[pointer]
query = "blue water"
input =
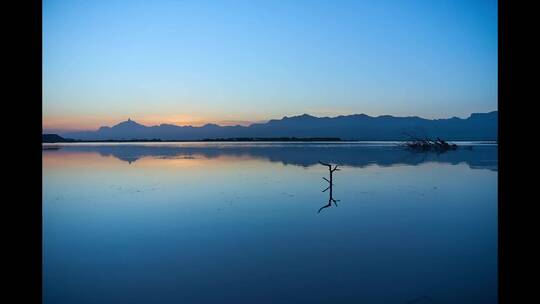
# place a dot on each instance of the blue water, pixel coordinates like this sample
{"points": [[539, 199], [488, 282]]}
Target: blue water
{"points": [[239, 223]]}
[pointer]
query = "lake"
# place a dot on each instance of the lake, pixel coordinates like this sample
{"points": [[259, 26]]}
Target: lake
{"points": [[242, 223]]}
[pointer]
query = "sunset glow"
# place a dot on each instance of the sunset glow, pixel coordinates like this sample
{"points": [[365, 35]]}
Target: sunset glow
{"points": [[79, 123]]}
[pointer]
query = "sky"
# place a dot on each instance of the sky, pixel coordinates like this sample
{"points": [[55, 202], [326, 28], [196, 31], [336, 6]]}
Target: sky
{"points": [[236, 62]]}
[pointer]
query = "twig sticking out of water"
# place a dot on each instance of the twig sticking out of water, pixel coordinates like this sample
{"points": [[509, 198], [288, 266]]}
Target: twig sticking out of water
{"points": [[330, 184]]}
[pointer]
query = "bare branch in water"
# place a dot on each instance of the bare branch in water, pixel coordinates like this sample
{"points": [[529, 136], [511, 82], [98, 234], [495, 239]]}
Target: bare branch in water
{"points": [[325, 206], [330, 186], [324, 164]]}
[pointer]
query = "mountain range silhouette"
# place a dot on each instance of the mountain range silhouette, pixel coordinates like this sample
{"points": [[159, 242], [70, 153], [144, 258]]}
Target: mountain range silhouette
{"points": [[478, 126]]}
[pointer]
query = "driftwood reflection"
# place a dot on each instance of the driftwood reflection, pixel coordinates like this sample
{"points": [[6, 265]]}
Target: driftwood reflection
{"points": [[330, 184]]}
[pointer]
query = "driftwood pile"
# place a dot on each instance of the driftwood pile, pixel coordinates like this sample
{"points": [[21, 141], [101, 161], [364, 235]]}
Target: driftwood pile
{"points": [[426, 144]]}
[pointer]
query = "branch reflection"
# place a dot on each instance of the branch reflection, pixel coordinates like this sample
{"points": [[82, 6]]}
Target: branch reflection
{"points": [[330, 186]]}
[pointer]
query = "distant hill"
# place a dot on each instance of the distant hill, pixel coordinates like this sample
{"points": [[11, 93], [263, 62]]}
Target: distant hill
{"points": [[478, 126], [53, 138]]}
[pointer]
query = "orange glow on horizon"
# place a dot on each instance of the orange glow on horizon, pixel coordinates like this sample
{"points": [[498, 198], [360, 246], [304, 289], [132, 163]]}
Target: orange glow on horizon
{"points": [[80, 123]]}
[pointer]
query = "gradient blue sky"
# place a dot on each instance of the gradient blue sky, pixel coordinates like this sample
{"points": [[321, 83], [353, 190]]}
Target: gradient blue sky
{"points": [[192, 62]]}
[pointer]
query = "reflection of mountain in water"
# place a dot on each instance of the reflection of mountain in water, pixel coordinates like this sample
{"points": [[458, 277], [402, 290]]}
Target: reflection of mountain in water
{"points": [[479, 157]]}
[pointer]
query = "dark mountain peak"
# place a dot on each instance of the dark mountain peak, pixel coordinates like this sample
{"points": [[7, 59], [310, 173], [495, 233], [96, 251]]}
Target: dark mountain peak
{"points": [[482, 115], [300, 117], [271, 121], [361, 115], [128, 123]]}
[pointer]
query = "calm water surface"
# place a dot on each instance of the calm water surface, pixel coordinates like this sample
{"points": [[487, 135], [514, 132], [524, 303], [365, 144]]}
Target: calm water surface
{"points": [[239, 223]]}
